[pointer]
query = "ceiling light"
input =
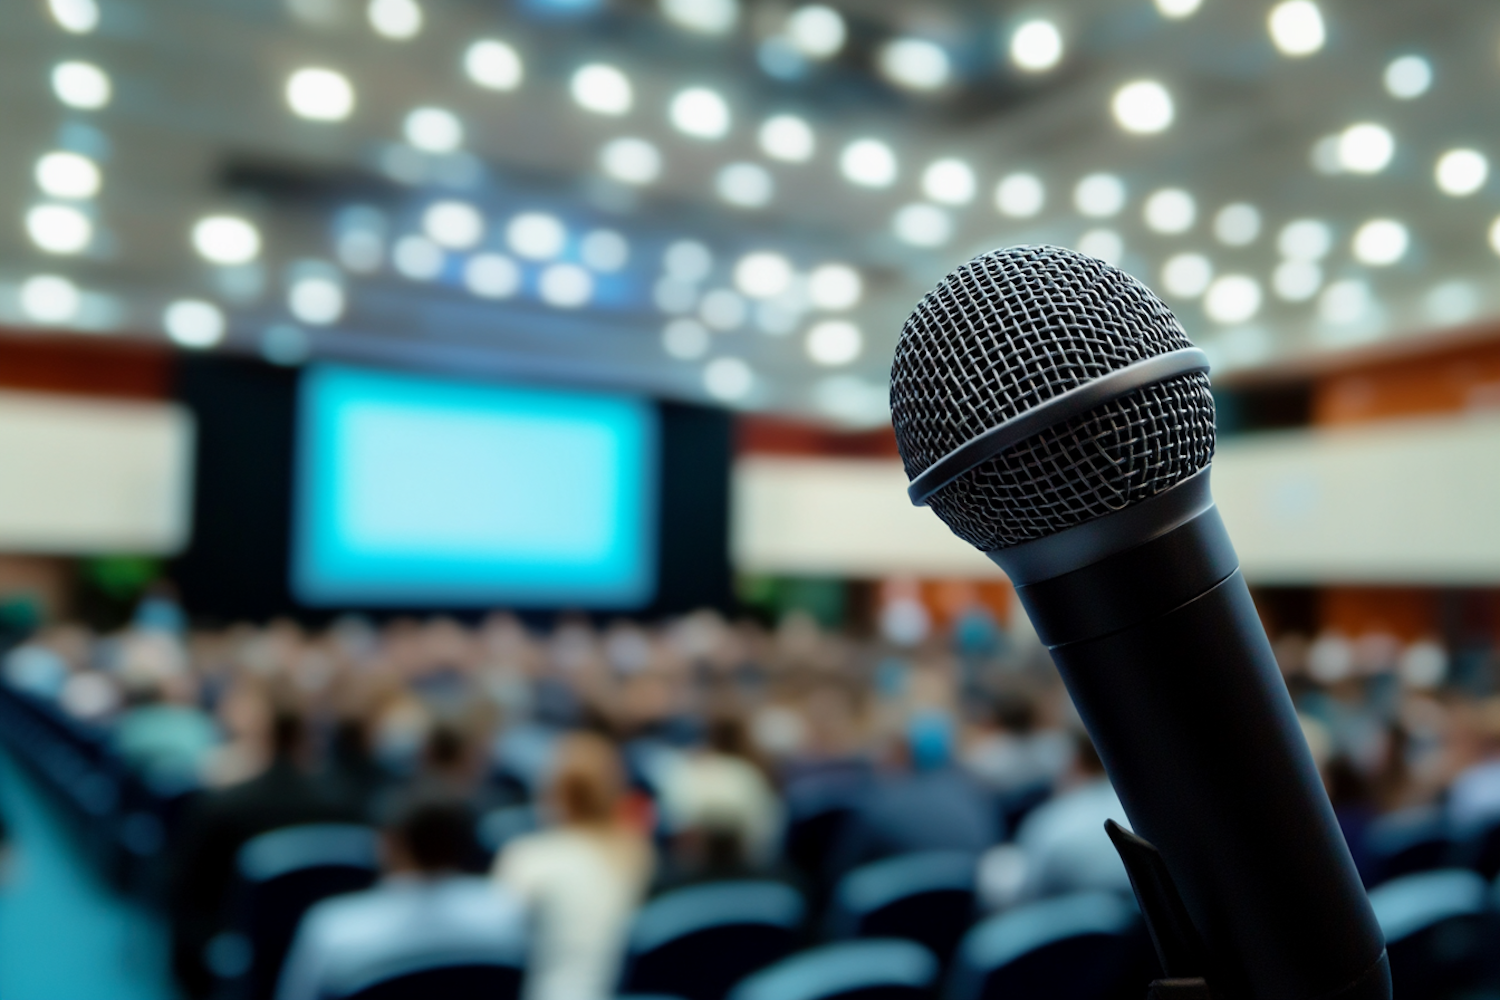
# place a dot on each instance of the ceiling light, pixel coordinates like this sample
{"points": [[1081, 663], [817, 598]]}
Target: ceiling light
{"points": [[853, 401], [710, 17], [723, 309], [700, 113], [359, 241], [1344, 302], [76, 16], [1461, 172], [81, 85], [1380, 242], [395, 19], [1170, 210], [688, 260], [1495, 235], [868, 163], [493, 64], [728, 379], [226, 239], [922, 225], [1020, 195], [317, 300], [950, 181], [536, 235], [1099, 195], [492, 276], [816, 31], [602, 89], [1365, 148], [318, 94], [762, 275], [915, 63], [67, 175], [1297, 27], [284, 344], [59, 229], [1143, 107], [776, 318], [47, 298], [788, 138], [194, 323], [1102, 244], [834, 287], [418, 258], [1305, 239], [1451, 302], [1297, 280], [1036, 46], [1237, 225], [685, 339], [1408, 77], [631, 160], [673, 296], [1186, 275], [566, 286], [1234, 298], [454, 224], [434, 130], [604, 250], [1178, 9], [834, 342], [745, 185]]}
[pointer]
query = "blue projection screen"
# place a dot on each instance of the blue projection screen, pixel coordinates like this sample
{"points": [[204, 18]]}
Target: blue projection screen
{"points": [[413, 491]]}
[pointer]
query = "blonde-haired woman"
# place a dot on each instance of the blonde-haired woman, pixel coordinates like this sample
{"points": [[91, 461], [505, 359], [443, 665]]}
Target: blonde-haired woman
{"points": [[582, 878]]}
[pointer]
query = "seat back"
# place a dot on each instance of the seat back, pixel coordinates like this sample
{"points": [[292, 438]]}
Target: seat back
{"points": [[699, 941], [1073, 947], [1412, 840], [453, 977], [1439, 930], [281, 874], [875, 969], [926, 897]]}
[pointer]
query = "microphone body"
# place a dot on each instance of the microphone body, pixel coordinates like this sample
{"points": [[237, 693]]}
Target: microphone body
{"points": [[1153, 629], [1051, 410]]}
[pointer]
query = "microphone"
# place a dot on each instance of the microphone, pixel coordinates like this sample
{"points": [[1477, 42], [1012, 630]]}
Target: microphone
{"points": [[1051, 410]]}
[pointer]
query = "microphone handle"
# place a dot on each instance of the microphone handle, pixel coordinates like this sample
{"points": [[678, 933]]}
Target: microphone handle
{"points": [[1165, 658]]}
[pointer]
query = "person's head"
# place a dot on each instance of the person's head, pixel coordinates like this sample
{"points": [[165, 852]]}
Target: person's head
{"points": [[930, 739], [446, 751], [587, 781], [430, 837], [1014, 712]]}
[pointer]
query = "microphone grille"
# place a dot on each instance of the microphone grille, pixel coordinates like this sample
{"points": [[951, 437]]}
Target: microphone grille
{"points": [[1011, 329]]}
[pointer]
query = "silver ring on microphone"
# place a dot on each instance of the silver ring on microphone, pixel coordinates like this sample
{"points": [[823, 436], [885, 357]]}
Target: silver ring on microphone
{"points": [[1080, 399]]}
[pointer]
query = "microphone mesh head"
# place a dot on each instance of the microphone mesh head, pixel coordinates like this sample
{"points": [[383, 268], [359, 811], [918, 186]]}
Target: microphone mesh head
{"points": [[1011, 329]]}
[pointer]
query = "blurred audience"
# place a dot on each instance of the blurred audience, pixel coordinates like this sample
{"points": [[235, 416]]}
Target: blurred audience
{"points": [[582, 877], [221, 822], [587, 767], [424, 908]]}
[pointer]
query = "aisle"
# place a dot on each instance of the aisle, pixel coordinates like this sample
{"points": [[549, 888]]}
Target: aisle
{"points": [[63, 934]]}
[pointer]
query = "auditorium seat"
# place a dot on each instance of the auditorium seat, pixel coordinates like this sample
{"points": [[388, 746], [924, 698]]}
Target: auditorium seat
{"points": [[1412, 840], [1074, 947], [697, 942], [1440, 930], [876, 969], [1480, 848], [280, 875], [453, 977], [926, 897]]}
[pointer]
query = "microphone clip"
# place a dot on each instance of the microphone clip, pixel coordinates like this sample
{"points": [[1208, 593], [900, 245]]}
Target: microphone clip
{"points": [[1178, 946]]}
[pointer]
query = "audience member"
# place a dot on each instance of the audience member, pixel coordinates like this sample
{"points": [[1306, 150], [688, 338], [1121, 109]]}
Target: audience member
{"points": [[582, 878], [221, 822], [1011, 752], [1061, 846], [1474, 796], [925, 803], [161, 735], [423, 907]]}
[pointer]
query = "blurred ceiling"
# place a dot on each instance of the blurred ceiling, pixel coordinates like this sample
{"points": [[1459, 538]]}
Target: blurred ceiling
{"points": [[478, 191]]}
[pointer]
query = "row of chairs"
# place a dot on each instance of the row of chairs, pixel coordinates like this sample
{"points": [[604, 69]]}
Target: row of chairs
{"points": [[1423, 839]]}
